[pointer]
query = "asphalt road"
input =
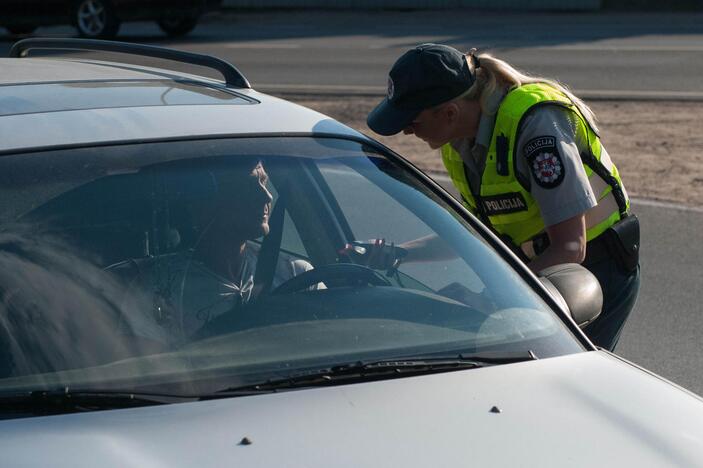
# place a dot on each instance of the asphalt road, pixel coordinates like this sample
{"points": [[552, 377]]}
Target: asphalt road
{"points": [[654, 56], [607, 55], [595, 54], [665, 331]]}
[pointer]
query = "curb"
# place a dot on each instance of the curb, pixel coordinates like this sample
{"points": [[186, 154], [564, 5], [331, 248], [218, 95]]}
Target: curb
{"points": [[340, 91]]}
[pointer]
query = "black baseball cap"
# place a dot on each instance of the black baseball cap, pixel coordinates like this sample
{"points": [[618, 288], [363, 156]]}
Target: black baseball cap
{"points": [[423, 77]]}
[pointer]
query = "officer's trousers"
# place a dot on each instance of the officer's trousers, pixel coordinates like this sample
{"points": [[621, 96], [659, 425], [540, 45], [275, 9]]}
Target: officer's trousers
{"points": [[619, 296]]}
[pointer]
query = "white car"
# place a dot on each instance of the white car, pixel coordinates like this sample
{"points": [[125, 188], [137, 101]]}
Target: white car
{"points": [[195, 274]]}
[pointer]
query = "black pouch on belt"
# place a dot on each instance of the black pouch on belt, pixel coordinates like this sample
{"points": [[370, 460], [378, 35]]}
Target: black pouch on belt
{"points": [[623, 241]]}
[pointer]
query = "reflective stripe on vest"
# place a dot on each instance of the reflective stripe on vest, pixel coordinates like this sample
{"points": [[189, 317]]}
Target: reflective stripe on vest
{"points": [[505, 202]]}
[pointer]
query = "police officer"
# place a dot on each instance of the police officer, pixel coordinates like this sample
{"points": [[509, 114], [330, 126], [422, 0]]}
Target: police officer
{"points": [[526, 157]]}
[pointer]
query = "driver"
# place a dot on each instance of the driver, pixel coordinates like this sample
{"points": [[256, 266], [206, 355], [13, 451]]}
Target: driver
{"points": [[188, 289]]}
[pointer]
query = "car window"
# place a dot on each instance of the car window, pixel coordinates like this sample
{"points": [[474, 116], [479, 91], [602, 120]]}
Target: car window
{"points": [[205, 264], [375, 215], [108, 218], [290, 237]]}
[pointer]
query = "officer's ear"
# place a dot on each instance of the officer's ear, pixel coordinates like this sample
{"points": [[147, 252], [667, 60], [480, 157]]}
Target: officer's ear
{"points": [[450, 112]]}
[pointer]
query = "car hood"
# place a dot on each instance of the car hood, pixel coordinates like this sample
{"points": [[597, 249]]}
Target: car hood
{"points": [[581, 410]]}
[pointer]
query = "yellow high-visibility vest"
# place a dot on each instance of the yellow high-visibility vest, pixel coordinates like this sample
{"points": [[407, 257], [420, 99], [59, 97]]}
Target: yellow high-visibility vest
{"points": [[505, 202]]}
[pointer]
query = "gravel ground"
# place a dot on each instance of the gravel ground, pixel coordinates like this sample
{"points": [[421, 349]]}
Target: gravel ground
{"points": [[657, 146]]}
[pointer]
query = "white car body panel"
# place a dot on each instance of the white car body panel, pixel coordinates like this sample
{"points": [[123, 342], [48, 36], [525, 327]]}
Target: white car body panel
{"points": [[100, 126], [588, 409], [41, 70], [118, 124]]}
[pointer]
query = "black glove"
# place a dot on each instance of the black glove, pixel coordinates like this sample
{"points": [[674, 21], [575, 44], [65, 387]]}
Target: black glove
{"points": [[376, 254]]}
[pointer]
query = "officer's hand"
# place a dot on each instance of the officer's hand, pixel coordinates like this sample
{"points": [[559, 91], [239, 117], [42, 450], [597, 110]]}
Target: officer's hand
{"points": [[375, 253]]}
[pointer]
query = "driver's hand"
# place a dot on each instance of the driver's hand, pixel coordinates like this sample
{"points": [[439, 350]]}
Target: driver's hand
{"points": [[375, 253]]}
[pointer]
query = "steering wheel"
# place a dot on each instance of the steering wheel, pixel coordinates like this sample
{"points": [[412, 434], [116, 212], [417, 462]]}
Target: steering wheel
{"points": [[334, 275]]}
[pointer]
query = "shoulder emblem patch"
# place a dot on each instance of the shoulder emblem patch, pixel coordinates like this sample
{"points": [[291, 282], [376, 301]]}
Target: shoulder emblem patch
{"points": [[544, 161]]}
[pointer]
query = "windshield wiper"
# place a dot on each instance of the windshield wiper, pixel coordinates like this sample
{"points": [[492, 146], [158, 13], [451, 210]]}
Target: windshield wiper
{"points": [[67, 400], [362, 371]]}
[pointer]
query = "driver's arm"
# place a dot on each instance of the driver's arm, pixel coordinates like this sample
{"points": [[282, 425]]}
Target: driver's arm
{"points": [[427, 249], [380, 254]]}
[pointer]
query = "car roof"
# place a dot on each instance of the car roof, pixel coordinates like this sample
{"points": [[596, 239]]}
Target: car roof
{"points": [[48, 102], [46, 70]]}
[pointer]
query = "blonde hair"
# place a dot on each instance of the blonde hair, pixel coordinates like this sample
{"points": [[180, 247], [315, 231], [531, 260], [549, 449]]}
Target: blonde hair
{"points": [[493, 74]]}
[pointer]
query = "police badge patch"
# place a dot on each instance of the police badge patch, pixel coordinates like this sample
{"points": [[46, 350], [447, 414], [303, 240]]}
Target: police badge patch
{"points": [[391, 89], [544, 161]]}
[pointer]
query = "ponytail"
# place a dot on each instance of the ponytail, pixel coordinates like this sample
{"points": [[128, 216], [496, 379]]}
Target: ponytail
{"points": [[492, 74]]}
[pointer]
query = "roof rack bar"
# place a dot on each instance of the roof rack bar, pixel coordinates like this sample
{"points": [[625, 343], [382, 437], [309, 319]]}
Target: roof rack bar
{"points": [[233, 77]]}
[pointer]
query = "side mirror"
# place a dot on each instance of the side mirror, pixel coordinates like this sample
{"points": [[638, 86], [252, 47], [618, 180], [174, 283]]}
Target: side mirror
{"points": [[575, 288]]}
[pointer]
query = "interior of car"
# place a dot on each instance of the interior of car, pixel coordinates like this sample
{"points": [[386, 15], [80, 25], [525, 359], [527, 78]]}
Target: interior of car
{"points": [[122, 253]]}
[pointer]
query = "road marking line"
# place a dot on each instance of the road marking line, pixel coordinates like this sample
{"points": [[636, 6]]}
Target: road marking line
{"points": [[261, 45], [667, 205], [597, 47], [585, 93], [322, 89], [637, 94], [620, 48]]}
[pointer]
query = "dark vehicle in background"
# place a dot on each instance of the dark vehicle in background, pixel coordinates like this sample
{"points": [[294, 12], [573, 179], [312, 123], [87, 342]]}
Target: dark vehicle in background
{"points": [[102, 18]]}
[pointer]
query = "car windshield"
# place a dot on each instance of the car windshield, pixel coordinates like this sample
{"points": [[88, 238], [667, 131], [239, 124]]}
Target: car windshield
{"points": [[194, 266]]}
